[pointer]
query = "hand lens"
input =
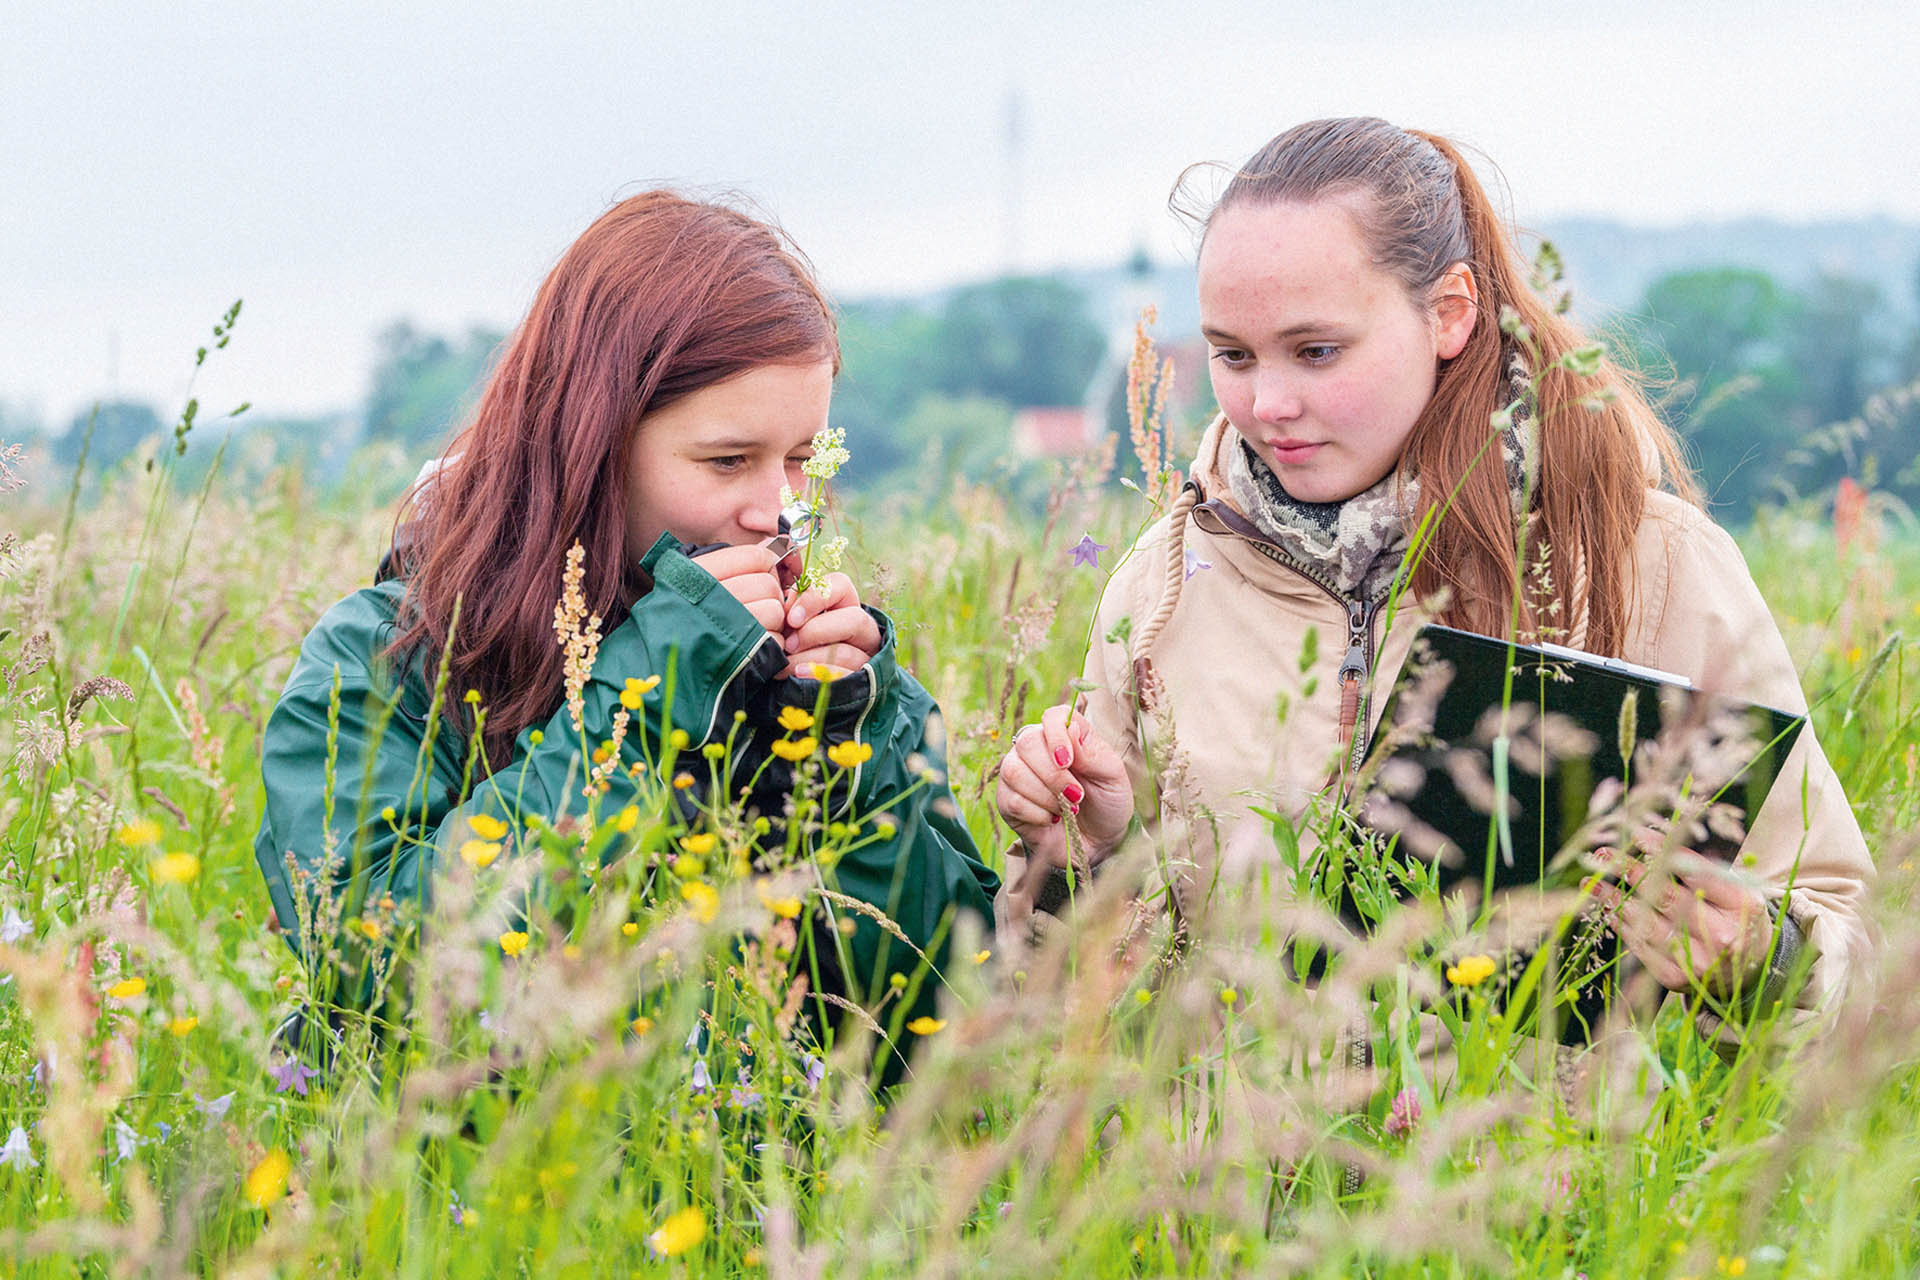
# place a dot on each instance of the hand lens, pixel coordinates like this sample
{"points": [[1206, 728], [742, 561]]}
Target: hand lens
{"points": [[798, 524]]}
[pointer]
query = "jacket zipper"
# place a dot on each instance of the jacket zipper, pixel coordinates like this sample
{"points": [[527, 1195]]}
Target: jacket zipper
{"points": [[1359, 658], [1353, 672]]}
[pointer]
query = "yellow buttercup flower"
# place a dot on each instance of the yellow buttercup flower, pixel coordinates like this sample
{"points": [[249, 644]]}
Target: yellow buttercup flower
{"points": [[793, 719], [370, 927], [641, 1025], [479, 853], [128, 988], [630, 929], [699, 845], [823, 673], [981, 957], [679, 1233], [849, 755], [513, 942], [925, 1026], [140, 831], [785, 907], [175, 868], [486, 826], [1471, 971], [702, 899], [797, 749], [267, 1181], [183, 1025], [636, 690], [627, 819]]}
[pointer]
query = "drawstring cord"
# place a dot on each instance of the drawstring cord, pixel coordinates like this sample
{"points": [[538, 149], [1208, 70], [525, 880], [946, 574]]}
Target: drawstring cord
{"points": [[1145, 684]]}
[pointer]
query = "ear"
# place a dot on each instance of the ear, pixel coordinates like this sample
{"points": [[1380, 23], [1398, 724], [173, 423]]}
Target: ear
{"points": [[1456, 305]]}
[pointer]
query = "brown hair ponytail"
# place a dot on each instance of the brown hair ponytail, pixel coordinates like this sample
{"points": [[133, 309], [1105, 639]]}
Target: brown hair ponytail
{"points": [[1422, 210]]}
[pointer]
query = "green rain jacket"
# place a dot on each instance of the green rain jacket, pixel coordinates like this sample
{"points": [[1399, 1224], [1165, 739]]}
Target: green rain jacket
{"points": [[721, 661]]}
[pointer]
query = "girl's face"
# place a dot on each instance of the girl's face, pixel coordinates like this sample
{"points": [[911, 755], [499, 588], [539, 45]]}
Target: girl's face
{"points": [[1320, 359], [709, 466]]}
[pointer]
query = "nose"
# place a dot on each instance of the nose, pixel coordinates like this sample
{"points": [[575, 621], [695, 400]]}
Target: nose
{"points": [[1275, 398], [760, 513]]}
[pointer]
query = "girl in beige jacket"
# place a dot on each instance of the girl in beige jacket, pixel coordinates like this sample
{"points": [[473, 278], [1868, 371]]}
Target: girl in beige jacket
{"points": [[1370, 323]]}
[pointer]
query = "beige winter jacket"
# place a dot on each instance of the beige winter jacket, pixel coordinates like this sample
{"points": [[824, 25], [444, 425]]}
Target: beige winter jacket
{"points": [[1249, 727]]}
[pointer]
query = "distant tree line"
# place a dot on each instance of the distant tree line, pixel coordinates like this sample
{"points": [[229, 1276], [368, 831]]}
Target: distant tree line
{"points": [[927, 393], [1768, 383]]}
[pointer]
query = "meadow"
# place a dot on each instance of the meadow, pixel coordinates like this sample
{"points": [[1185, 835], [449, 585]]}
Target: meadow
{"points": [[601, 1068]]}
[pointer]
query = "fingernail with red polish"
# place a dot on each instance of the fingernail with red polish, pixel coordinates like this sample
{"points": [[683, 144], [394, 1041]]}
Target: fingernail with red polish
{"points": [[1063, 757], [1055, 819], [1073, 793], [1074, 809]]}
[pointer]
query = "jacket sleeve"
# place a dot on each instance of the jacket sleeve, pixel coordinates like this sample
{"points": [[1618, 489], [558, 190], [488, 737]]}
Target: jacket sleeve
{"points": [[1709, 622], [332, 775], [917, 863]]}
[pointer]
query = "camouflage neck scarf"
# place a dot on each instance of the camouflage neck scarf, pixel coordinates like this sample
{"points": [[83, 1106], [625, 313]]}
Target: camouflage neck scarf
{"points": [[1357, 544]]}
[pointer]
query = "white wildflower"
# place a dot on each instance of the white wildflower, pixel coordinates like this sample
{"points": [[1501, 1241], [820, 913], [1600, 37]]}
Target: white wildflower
{"points": [[18, 1152], [125, 1141], [829, 454]]}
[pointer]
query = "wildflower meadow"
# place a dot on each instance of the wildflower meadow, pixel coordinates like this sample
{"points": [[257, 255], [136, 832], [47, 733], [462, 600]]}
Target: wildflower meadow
{"points": [[603, 1048]]}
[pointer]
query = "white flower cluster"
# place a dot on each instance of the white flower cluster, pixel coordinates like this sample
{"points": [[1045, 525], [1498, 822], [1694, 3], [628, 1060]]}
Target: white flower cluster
{"points": [[829, 454]]}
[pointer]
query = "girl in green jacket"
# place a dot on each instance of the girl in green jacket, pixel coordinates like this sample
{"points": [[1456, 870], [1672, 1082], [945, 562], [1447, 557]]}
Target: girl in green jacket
{"points": [[662, 393]]}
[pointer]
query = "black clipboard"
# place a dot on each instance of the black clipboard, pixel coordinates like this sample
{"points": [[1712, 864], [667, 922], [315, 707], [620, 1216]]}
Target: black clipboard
{"points": [[1489, 755]]}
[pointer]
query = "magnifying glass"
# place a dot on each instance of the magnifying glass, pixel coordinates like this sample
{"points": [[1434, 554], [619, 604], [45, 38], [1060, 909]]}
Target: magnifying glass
{"points": [[798, 523]]}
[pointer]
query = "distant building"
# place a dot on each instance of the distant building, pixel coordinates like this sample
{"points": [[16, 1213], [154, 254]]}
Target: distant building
{"points": [[1055, 431]]}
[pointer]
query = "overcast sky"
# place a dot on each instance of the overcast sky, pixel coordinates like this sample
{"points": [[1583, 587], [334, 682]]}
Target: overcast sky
{"points": [[342, 168]]}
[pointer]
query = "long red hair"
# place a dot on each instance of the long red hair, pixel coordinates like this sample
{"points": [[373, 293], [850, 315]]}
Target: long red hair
{"points": [[660, 297]]}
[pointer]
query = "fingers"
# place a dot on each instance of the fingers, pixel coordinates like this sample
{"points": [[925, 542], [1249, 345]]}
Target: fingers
{"points": [[1022, 799], [1071, 743], [1701, 927], [727, 562], [747, 573], [836, 591], [1032, 787], [765, 612], [1046, 753], [1646, 934], [1030, 809], [1060, 767], [853, 627]]}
